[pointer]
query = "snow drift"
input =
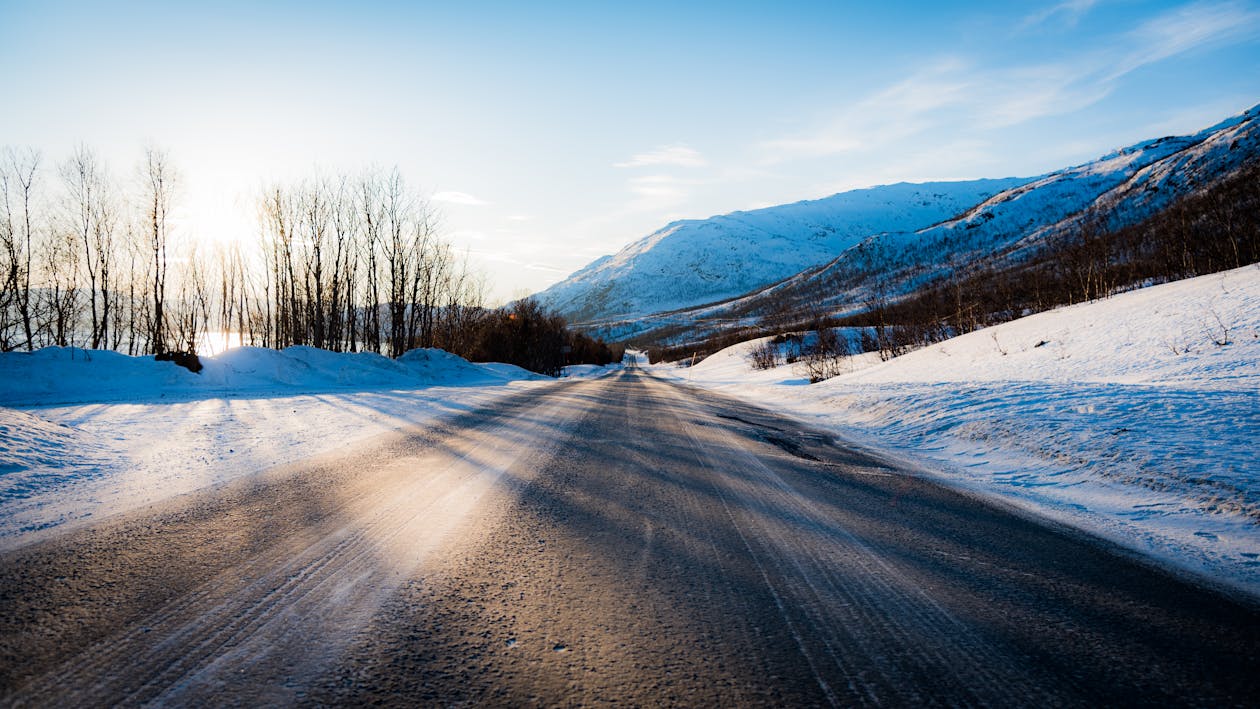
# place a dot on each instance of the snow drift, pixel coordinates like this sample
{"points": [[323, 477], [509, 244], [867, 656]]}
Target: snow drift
{"points": [[69, 375], [1136, 417], [99, 432]]}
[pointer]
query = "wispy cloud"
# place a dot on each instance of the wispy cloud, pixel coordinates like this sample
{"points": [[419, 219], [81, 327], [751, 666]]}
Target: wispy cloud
{"points": [[535, 266], [462, 198], [1185, 29], [1068, 13], [676, 155], [659, 195], [1020, 94], [951, 94], [956, 93], [899, 111], [658, 191]]}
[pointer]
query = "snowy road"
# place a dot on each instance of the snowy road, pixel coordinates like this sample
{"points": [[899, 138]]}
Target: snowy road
{"points": [[622, 539]]}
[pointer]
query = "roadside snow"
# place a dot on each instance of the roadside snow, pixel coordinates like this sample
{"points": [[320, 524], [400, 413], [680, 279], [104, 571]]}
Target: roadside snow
{"points": [[56, 375], [84, 434], [1125, 417]]}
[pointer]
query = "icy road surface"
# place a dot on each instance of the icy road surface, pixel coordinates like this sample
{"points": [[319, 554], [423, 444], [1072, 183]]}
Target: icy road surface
{"points": [[619, 540]]}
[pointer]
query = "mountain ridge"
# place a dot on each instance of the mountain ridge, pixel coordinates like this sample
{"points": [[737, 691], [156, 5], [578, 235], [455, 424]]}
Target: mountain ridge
{"points": [[1125, 184], [693, 261]]}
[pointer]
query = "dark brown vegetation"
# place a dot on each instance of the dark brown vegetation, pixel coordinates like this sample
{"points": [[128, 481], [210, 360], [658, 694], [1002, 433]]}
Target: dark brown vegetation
{"points": [[527, 335]]}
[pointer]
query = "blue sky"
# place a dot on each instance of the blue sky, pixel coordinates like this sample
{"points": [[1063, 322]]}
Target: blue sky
{"points": [[551, 133]]}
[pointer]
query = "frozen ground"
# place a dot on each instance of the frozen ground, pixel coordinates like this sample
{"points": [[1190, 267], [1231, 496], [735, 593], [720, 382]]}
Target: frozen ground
{"points": [[1136, 417], [1124, 417], [84, 434]]}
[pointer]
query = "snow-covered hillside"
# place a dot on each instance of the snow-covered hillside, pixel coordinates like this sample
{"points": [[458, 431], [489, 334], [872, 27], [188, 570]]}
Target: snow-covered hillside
{"points": [[1128, 184], [85, 434], [693, 261], [1127, 417], [668, 270]]}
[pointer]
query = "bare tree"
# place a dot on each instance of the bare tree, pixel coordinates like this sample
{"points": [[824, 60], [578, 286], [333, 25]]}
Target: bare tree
{"points": [[765, 355], [190, 313], [18, 181], [233, 298], [341, 306], [59, 293], [464, 308], [137, 315], [93, 217], [158, 184], [372, 215], [316, 216], [826, 356], [10, 265], [281, 219], [345, 264], [396, 207]]}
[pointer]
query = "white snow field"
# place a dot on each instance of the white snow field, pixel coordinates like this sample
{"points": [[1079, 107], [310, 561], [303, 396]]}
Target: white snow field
{"points": [[1136, 418], [85, 434]]}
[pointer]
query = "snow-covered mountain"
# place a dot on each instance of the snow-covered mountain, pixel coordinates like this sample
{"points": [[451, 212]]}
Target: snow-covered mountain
{"points": [[644, 287], [697, 261], [1120, 188], [1125, 186]]}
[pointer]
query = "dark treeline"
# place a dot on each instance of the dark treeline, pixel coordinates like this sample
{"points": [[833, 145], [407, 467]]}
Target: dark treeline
{"points": [[346, 263], [527, 335], [1214, 229]]}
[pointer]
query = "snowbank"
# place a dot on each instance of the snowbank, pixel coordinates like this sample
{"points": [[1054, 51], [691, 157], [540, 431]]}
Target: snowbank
{"points": [[99, 432], [1135, 417], [56, 375]]}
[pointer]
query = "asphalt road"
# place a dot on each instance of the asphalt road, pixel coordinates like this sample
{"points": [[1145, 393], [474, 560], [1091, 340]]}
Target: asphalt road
{"points": [[623, 541]]}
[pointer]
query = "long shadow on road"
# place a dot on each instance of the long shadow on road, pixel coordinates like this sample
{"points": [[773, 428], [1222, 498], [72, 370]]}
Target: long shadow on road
{"points": [[685, 551]]}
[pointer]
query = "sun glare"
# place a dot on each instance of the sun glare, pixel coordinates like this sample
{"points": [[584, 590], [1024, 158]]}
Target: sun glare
{"points": [[217, 342], [216, 214]]}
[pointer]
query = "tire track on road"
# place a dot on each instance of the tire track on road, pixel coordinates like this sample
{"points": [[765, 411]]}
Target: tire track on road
{"points": [[263, 630]]}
